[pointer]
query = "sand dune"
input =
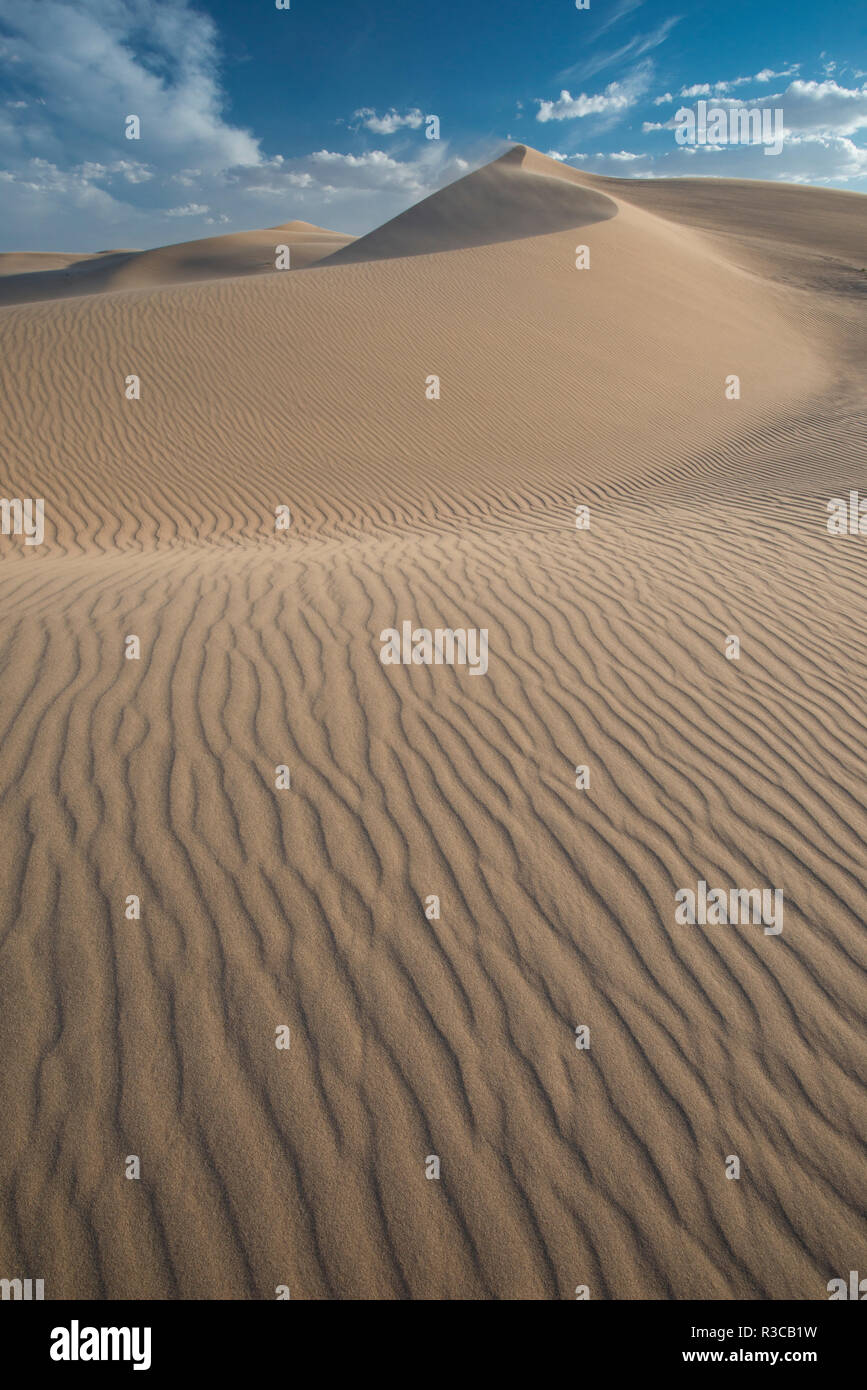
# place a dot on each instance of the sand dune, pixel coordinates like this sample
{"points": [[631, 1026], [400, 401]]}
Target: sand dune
{"points": [[24, 278], [26, 262], [520, 195], [452, 1037]]}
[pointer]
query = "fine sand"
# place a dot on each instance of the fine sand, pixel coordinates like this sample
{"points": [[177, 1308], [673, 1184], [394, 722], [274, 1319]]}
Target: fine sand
{"points": [[410, 1037]]}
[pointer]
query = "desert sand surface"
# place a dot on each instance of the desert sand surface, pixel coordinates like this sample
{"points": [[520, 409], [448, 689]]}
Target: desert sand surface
{"points": [[600, 1167], [42, 275]]}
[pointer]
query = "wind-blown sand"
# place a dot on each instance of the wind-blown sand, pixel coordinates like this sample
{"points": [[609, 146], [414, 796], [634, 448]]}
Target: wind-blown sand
{"points": [[409, 1037]]}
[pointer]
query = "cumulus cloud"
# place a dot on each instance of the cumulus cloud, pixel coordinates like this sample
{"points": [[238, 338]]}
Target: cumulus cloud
{"points": [[819, 120], [823, 108], [768, 74], [77, 55], [617, 97], [808, 159], [616, 164], [388, 123], [374, 169], [706, 89], [75, 69], [823, 159], [74, 76]]}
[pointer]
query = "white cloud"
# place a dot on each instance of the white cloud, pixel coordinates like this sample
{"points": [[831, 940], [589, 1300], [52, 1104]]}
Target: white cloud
{"points": [[824, 107], [819, 120], [616, 97], [808, 159], [822, 159], [617, 12], [374, 169], [767, 75], [706, 89], [78, 55], [73, 65], [71, 180], [612, 165], [388, 123]]}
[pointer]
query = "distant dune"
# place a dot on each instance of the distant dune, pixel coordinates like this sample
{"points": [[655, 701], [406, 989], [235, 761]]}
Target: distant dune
{"points": [[24, 277], [454, 1035]]}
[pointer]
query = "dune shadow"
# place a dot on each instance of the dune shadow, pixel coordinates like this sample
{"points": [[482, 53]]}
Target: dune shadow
{"points": [[82, 277]]}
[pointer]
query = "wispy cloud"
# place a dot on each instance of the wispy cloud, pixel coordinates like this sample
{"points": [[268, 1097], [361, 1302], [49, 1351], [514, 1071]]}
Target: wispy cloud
{"points": [[638, 47], [617, 13]]}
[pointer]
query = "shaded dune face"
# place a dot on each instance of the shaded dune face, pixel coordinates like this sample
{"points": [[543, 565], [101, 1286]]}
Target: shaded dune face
{"points": [[306, 908], [502, 202]]}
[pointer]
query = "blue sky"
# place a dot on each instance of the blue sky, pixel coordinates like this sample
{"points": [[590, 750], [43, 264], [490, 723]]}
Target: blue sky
{"points": [[251, 116]]}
